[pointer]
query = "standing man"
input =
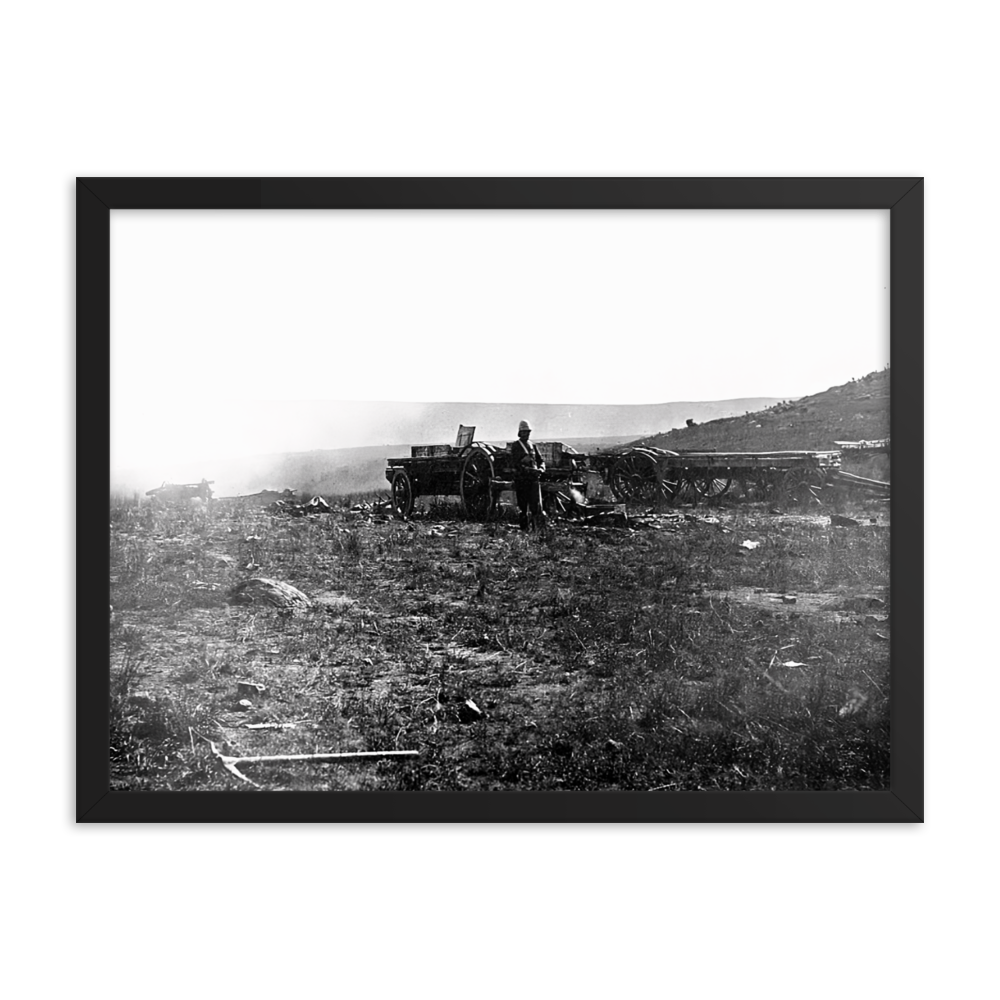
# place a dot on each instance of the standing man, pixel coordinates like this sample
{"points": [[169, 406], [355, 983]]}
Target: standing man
{"points": [[528, 469]]}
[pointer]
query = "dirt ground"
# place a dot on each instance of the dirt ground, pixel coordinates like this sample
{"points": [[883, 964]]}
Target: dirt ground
{"points": [[574, 657]]}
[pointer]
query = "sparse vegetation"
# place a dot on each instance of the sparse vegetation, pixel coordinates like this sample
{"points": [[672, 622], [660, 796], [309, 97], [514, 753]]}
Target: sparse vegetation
{"points": [[856, 411], [668, 657]]}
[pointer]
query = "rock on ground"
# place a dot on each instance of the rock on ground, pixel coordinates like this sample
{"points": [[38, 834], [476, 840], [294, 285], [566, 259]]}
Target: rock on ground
{"points": [[263, 591]]}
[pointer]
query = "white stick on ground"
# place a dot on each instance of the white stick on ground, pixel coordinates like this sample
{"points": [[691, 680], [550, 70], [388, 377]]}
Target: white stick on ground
{"points": [[229, 763]]}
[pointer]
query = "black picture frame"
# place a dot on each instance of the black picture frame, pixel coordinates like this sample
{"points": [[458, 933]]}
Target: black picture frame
{"points": [[904, 198]]}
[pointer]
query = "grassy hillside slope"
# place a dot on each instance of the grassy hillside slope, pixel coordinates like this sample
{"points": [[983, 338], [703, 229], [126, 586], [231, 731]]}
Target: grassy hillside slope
{"points": [[857, 411]]}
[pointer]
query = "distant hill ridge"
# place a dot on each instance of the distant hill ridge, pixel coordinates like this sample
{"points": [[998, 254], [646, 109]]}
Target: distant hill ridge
{"points": [[855, 411]]}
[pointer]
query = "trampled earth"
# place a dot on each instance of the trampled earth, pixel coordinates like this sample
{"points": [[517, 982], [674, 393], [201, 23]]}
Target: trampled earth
{"points": [[737, 646]]}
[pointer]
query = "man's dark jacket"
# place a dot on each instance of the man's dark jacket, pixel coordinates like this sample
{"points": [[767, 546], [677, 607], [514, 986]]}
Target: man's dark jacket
{"points": [[527, 461]]}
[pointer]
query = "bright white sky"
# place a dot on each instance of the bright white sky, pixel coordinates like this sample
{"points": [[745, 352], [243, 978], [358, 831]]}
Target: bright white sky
{"points": [[214, 314]]}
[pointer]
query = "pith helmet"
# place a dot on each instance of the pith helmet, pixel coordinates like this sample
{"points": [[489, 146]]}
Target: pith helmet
{"points": [[523, 426]]}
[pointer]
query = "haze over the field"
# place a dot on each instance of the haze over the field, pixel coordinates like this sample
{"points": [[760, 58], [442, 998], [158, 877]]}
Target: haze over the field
{"points": [[232, 332]]}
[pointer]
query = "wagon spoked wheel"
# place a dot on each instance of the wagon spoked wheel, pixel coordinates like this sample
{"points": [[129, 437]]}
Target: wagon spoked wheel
{"points": [[670, 485], [402, 495], [684, 486], [802, 485], [711, 485], [476, 484], [619, 479], [645, 478], [635, 477], [754, 485]]}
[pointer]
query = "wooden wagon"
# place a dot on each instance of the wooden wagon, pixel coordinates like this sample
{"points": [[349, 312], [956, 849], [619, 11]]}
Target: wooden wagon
{"points": [[650, 474], [477, 473], [183, 491]]}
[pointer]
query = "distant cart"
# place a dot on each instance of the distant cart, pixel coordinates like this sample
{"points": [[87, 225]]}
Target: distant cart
{"points": [[880, 446], [183, 491], [477, 473], [651, 474]]}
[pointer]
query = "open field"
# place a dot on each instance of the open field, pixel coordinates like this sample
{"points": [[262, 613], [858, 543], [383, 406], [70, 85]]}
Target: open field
{"points": [[652, 657], [734, 646]]}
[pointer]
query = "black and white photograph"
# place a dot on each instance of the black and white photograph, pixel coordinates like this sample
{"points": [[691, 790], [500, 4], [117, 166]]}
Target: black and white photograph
{"points": [[493, 501]]}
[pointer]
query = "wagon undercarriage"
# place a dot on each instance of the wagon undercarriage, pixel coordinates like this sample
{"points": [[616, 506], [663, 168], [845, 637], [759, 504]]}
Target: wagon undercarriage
{"points": [[649, 475]]}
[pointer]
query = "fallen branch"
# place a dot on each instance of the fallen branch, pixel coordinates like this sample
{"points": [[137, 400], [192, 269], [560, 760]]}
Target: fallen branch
{"points": [[229, 763], [361, 754]]}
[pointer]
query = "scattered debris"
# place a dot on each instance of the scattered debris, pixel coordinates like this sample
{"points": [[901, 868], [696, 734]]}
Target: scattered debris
{"points": [[651, 519], [265, 497], [469, 712], [274, 592], [245, 704], [613, 516], [582, 512], [564, 500], [315, 506], [792, 663], [378, 510], [749, 545]]}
